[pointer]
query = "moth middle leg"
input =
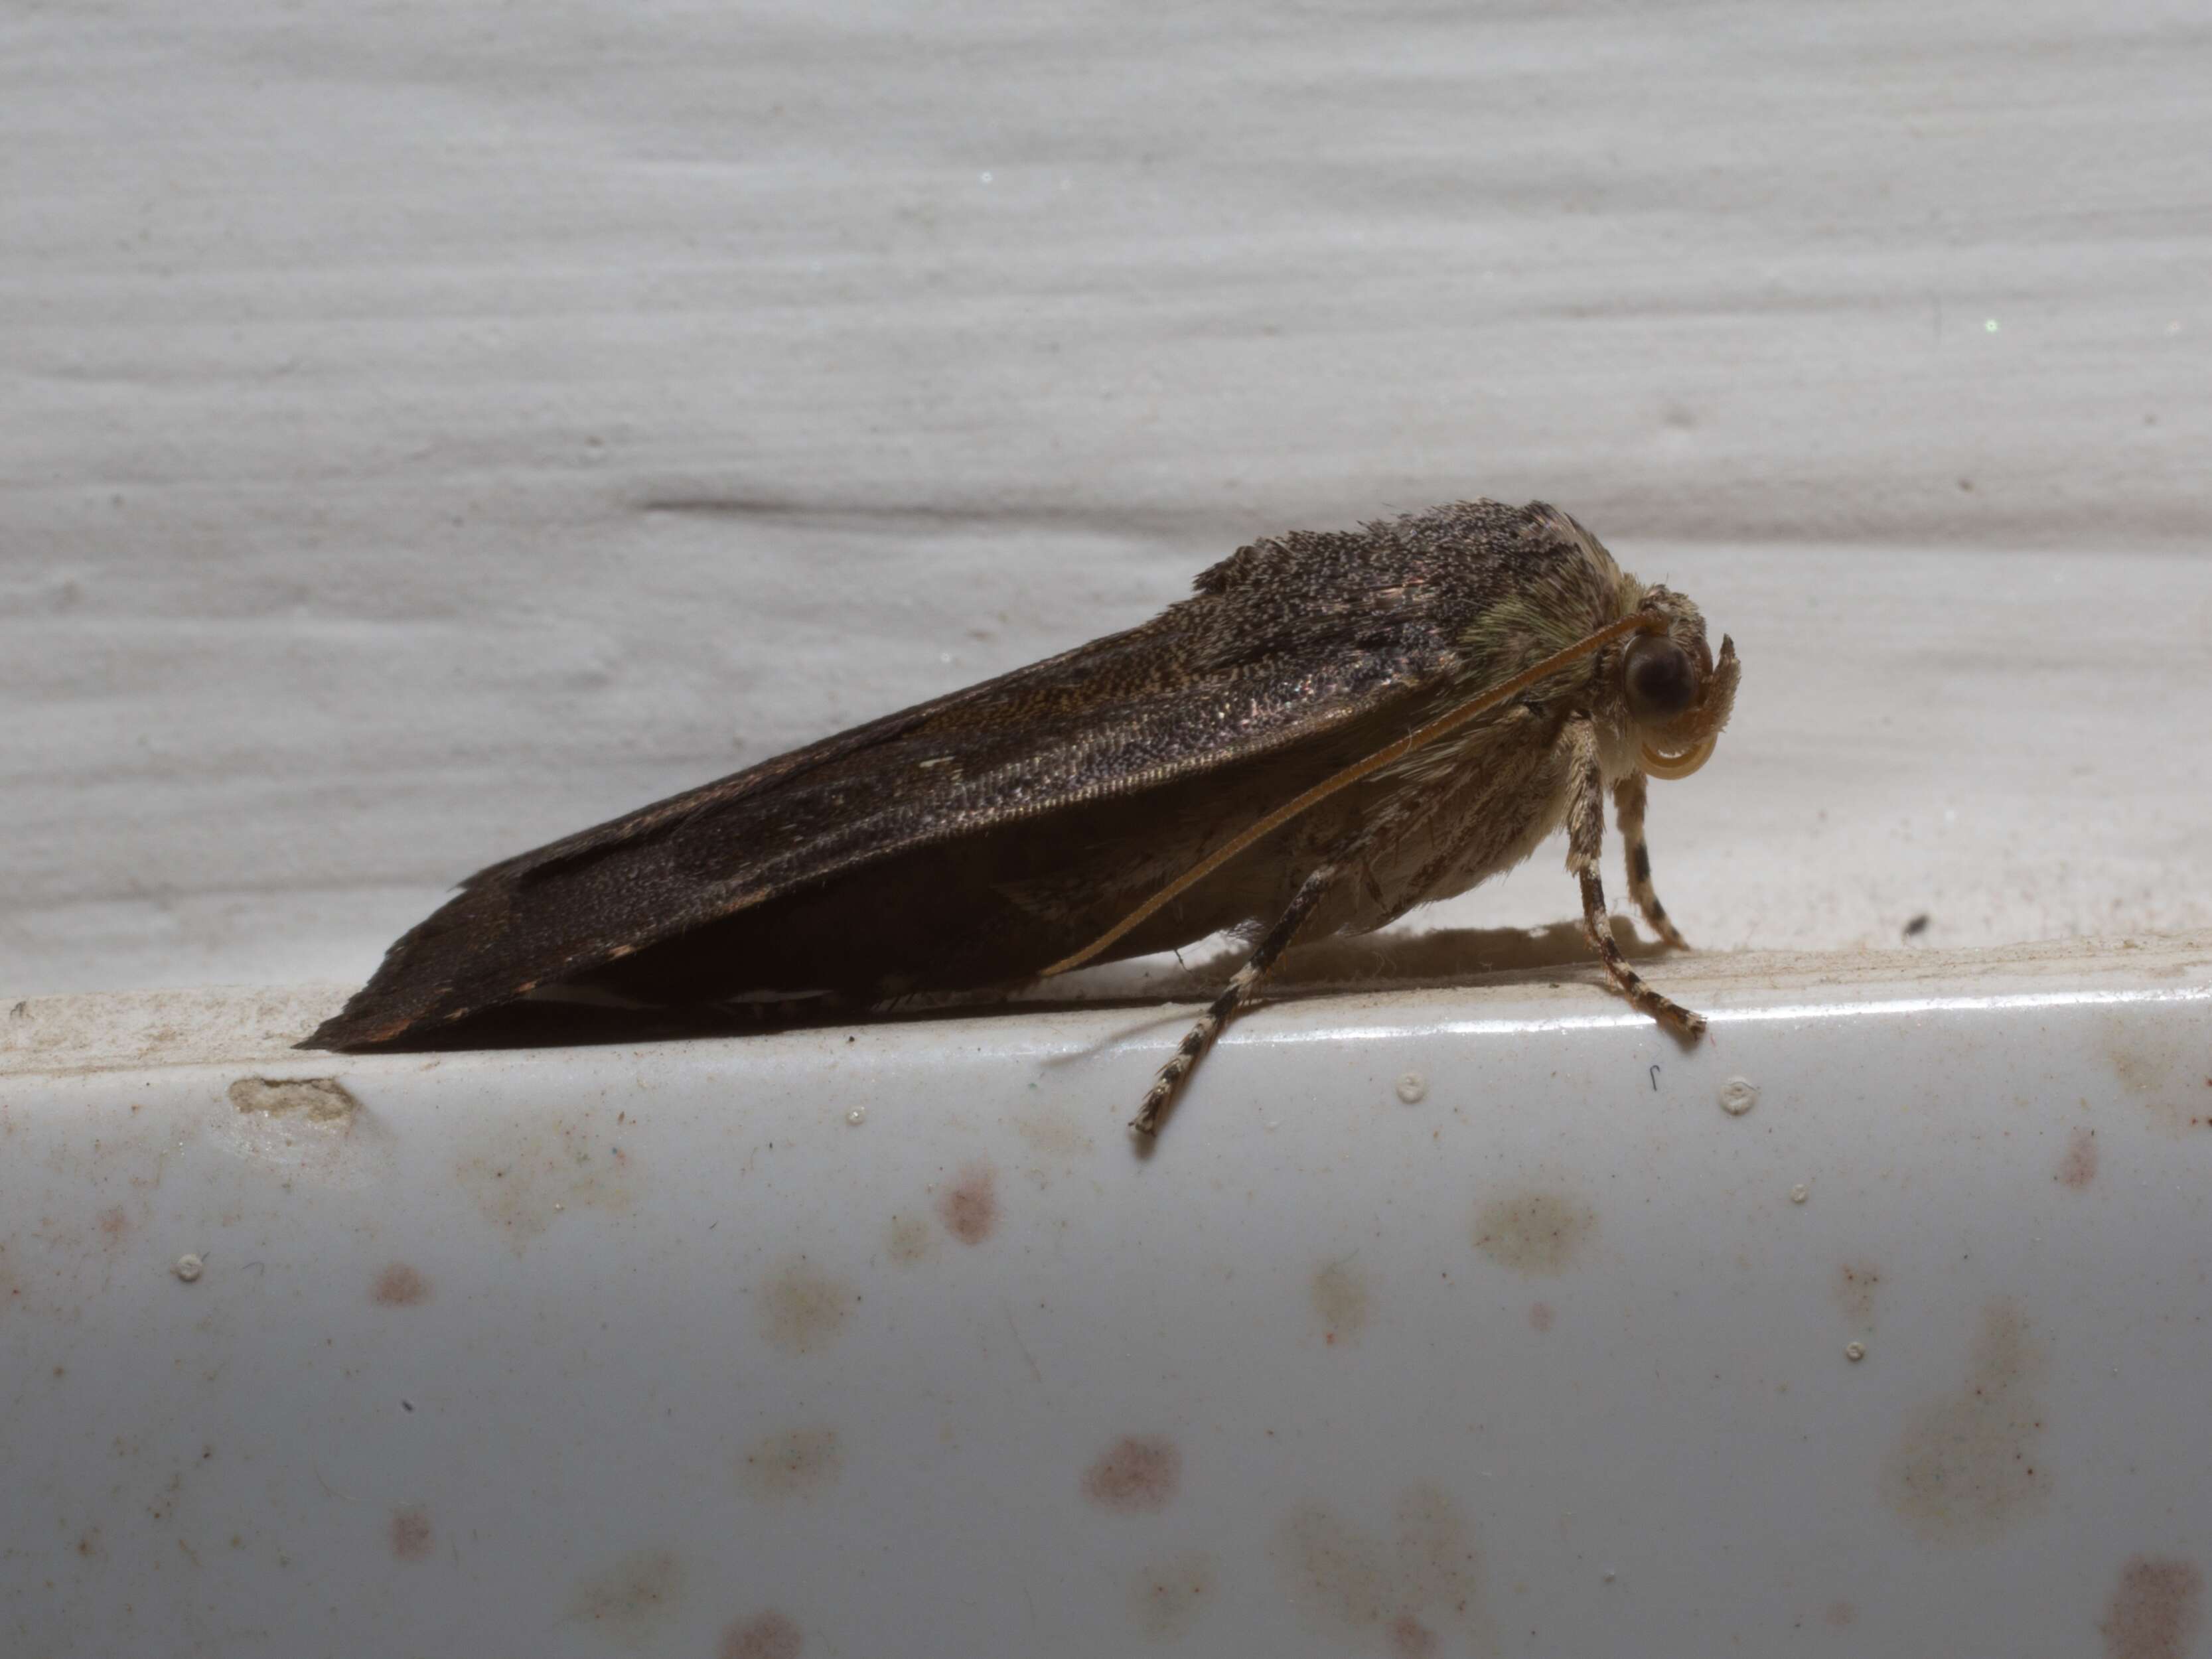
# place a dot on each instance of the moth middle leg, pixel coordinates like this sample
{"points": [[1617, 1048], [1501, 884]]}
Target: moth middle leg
{"points": [[1585, 841], [1271, 944]]}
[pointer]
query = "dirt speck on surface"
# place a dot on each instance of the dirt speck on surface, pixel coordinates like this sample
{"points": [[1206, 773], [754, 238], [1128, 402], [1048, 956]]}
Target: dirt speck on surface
{"points": [[1855, 1283], [1336, 1572], [969, 1207], [1540, 1315], [2077, 1166], [1535, 1231], [322, 1099], [410, 1534], [1167, 1599], [399, 1285], [1138, 1474], [791, 1464], [113, 1224], [631, 1598], [908, 1239], [770, 1635], [802, 1309], [1429, 1581], [2160, 1066], [523, 1181], [1840, 1615], [2156, 1610], [1340, 1296], [1968, 1465]]}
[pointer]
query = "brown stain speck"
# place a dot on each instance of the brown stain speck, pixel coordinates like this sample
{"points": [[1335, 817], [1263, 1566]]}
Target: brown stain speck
{"points": [[1136, 1475], [969, 1207], [1167, 1599], [410, 1534], [113, 1224], [1341, 1576], [2078, 1167], [1968, 1465], [1840, 1615], [1855, 1283], [2158, 1061], [632, 1596], [802, 1309], [399, 1286], [321, 1098], [524, 1181], [1336, 1572], [1535, 1231], [771, 1636], [1341, 1298], [791, 1464], [908, 1239], [2156, 1610], [1540, 1315]]}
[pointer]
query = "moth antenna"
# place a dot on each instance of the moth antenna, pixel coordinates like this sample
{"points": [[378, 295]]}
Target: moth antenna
{"points": [[1451, 721]]}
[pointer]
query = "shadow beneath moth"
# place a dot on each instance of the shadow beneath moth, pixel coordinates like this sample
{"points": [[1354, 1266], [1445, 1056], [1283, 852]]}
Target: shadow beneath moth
{"points": [[1335, 727]]}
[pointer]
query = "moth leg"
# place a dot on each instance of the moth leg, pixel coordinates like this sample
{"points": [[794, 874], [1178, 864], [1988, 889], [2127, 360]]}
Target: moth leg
{"points": [[1628, 815], [1276, 940], [1585, 841]]}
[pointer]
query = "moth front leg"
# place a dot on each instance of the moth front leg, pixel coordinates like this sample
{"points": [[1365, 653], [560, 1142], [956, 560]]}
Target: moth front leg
{"points": [[1585, 841], [1628, 816], [1272, 944]]}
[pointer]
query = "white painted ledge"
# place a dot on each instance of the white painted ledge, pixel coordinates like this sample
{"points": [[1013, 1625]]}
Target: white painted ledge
{"points": [[1444, 1321]]}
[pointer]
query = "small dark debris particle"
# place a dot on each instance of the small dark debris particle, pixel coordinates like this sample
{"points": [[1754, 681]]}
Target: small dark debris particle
{"points": [[1918, 926], [406, 1405]]}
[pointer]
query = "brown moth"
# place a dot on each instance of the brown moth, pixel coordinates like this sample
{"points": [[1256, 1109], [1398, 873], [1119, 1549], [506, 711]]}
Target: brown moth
{"points": [[1337, 726]]}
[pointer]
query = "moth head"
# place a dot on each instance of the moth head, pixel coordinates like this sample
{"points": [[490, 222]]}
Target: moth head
{"points": [[1678, 695]]}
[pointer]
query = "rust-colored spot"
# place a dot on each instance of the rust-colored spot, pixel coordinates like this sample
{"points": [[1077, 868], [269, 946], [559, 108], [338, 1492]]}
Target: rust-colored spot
{"points": [[399, 1286], [803, 1309], [1967, 1467], [1168, 1596], [1533, 1231], [410, 1533], [1855, 1283], [771, 1636], [790, 1464], [969, 1207], [113, 1224], [2078, 1168], [632, 1597], [90, 1545], [1540, 1315], [1136, 1474], [908, 1239], [1340, 1296], [2156, 1610], [1410, 1639], [1430, 1575]]}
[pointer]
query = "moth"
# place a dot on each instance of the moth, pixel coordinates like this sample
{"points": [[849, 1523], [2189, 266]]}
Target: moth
{"points": [[1335, 727]]}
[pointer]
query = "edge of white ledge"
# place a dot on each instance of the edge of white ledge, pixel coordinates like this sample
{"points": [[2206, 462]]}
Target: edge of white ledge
{"points": [[1332, 986]]}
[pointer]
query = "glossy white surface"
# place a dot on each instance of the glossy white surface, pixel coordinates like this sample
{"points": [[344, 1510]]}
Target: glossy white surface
{"points": [[656, 1349]]}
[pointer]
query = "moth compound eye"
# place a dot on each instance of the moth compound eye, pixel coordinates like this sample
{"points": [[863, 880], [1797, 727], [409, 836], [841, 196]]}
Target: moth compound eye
{"points": [[1661, 683]]}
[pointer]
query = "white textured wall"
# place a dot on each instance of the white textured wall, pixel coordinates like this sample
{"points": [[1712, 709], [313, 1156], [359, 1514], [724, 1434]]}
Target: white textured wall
{"points": [[429, 429]]}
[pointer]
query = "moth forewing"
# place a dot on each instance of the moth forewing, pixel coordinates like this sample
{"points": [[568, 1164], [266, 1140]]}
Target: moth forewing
{"points": [[1334, 729]]}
